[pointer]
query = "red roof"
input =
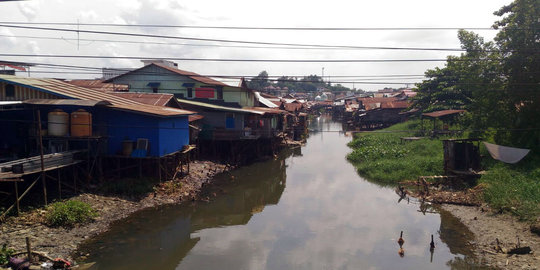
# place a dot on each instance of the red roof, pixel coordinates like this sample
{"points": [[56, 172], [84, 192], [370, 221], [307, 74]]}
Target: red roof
{"points": [[442, 113]]}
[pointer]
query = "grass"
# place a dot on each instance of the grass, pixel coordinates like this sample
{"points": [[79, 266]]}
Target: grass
{"points": [[514, 188], [69, 213], [129, 187], [381, 158]]}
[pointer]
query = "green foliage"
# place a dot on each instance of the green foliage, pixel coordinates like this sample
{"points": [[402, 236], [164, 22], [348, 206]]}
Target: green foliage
{"points": [[129, 187], [69, 213], [383, 158], [514, 188], [260, 81], [5, 254], [496, 82]]}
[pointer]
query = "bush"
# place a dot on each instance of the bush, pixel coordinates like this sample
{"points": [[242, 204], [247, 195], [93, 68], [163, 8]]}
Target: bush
{"points": [[69, 213]]}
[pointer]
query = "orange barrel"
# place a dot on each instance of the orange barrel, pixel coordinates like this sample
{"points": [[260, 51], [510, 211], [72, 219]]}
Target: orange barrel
{"points": [[81, 123], [57, 123]]}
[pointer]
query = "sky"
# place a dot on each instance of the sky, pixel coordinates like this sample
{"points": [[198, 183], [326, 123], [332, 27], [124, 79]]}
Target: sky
{"points": [[277, 13]]}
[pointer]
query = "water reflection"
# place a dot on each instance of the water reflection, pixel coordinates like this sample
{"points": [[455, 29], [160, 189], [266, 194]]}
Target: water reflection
{"points": [[304, 210]]}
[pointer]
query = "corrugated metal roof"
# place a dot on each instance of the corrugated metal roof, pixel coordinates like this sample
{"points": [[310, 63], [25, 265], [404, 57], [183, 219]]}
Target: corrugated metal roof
{"points": [[217, 107], [265, 101], [156, 99], [100, 85], [442, 113], [395, 105], [70, 91], [267, 110], [195, 117], [75, 102], [192, 75]]}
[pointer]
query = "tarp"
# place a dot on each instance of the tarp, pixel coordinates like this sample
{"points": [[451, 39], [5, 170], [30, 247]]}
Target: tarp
{"points": [[506, 154]]}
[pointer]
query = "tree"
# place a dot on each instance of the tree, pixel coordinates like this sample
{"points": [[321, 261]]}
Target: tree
{"points": [[519, 42], [260, 81]]}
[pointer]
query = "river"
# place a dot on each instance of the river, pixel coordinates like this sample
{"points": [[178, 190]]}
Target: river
{"points": [[306, 209]]}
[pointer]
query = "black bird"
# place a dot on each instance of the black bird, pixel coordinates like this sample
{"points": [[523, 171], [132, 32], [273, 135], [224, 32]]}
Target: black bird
{"points": [[400, 241], [432, 244]]}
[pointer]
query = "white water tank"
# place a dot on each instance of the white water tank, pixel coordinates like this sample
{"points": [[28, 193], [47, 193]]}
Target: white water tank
{"points": [[58, 123]]}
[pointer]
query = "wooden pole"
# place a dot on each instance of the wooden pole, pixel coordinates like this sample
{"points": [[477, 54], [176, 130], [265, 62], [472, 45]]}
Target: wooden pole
{"points": [[17, 198], [43, 180], [29, 249]]}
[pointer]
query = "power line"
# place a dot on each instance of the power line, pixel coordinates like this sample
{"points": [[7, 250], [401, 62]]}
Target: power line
{"points": [[219, 40], [243, 47], [248, 60], [257, 28]]}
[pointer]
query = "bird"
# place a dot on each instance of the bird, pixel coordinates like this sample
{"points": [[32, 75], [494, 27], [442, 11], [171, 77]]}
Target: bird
{"points": [[401, 252], [400, 241], [432, 244]]}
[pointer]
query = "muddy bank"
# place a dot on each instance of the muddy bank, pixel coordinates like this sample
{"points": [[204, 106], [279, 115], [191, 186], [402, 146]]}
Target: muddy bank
{"points": [[62, 242], [487, 226]]}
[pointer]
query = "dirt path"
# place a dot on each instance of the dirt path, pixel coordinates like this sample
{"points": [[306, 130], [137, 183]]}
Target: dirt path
{"points": [[488, 226], [62, 242]]}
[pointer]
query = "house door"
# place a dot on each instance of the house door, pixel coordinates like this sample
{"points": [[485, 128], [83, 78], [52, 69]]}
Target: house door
{"points": [[229, 121]]}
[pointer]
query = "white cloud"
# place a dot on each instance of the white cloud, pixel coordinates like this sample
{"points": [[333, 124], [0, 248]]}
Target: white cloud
{"points": [[284, 13], [29, 9]]}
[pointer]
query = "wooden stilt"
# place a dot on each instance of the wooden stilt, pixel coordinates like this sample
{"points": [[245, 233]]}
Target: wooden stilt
{"points": [[17, 198], [28, 249], [43, 180], [59, 186]]}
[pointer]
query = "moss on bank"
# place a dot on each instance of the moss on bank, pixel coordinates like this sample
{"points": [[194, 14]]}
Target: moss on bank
{"points": [[381, 157]]}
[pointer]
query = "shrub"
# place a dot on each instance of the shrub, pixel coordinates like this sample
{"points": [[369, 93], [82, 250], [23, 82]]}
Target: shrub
{"points": [[5, 254], [69, 213]]}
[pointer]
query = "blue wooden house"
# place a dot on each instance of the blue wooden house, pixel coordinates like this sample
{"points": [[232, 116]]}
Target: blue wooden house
{"points": [[114, 119]]}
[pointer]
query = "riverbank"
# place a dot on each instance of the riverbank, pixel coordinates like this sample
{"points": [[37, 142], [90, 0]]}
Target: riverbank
{"points": [[62, 242], [488, 226], [503, 203]]}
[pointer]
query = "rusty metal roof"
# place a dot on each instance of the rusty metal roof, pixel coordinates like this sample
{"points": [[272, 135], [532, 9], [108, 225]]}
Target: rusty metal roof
{"points": [[70, 91], [195, 117], [75, 102], [395, 105], [100, 85], [437, 114], [156, 99]]}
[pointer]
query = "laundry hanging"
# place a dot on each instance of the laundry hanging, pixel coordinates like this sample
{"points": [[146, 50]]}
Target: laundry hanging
{"points": [[506, 154]]}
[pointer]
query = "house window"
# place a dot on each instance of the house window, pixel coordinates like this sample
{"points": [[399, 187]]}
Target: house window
{"points": [[190, 92], [10, 91], [154, 90]]}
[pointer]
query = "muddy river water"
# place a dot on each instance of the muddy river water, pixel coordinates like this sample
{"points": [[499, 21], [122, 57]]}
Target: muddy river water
{"points": [[307, 209]]}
